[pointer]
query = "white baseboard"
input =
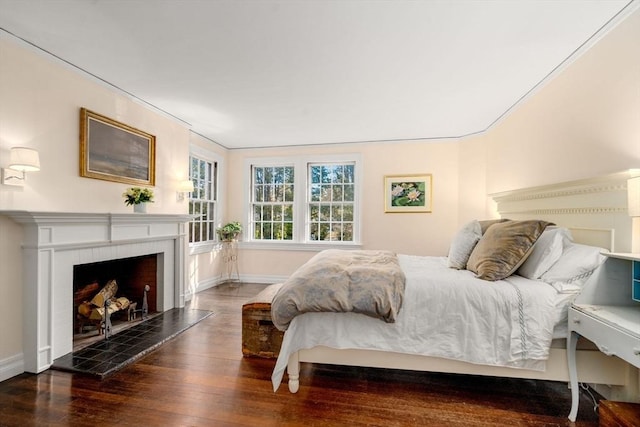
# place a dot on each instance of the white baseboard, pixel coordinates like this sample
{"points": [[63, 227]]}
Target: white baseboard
{"points": [[11, 366], [262, 279]]}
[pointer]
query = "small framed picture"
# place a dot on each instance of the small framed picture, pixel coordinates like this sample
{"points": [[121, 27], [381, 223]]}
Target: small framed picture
{"points": [[114, 151], [407, 193]]}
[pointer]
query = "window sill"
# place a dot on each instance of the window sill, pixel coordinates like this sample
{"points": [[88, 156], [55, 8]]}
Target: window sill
{"points": [[201, 248], [294, 246]]}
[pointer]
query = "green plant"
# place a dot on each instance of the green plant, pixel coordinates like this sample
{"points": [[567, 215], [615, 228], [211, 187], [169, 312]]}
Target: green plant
{"points": [[229, 231], [137, 195]]}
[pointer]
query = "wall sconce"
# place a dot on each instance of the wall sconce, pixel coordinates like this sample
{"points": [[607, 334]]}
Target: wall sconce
{"points": [[184, 188], [21, 160]]}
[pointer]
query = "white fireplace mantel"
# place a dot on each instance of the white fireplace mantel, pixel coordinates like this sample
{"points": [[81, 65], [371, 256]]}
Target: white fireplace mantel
{"points": [[56, 241]]}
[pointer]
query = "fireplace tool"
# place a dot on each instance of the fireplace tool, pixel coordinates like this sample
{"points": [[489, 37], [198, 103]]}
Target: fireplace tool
{"points": [[107, 319]]}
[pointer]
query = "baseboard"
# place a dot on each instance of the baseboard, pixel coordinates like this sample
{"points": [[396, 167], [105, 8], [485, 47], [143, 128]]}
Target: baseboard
{"points": [[248, 278], [11, 366]]}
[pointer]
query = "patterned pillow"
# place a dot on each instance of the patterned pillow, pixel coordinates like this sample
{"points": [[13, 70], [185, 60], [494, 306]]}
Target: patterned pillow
{"points": [[504, 247], [463, 243]]}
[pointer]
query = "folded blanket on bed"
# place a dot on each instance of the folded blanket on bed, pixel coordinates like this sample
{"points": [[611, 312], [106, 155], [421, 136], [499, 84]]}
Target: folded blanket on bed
{"points": [[365, 281]]}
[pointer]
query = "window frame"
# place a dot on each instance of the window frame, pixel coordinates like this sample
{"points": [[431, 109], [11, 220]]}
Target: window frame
{"points": [[211, 157], [302, 182]]}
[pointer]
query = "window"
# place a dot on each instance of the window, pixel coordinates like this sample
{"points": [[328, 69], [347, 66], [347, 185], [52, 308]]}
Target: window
{"points": [[203, 199], [331, 202], [304, 200], [273, 203]]}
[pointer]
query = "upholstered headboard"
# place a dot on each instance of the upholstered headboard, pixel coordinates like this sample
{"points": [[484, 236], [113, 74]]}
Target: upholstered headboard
{"points": [[594, 209]]}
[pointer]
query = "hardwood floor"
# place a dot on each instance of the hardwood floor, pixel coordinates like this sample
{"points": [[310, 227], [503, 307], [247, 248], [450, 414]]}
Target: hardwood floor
{"points": [[201, 379]]}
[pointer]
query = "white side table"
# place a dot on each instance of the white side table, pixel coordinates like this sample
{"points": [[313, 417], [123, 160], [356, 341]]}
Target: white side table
{"points": [[607, 312]]}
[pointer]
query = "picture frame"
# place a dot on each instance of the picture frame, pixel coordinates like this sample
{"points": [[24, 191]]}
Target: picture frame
{"points": [[114, 151], [407, 193]]}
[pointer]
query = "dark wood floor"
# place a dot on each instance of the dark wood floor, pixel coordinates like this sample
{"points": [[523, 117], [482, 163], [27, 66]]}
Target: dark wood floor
{"points": [[201, 379]]}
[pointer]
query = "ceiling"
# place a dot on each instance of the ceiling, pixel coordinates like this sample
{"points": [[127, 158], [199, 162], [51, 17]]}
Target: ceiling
{"points": [[296, 72]]}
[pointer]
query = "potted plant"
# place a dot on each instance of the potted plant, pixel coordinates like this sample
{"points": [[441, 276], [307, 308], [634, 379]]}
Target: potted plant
{"points": [[138, 197], [229, 231]]}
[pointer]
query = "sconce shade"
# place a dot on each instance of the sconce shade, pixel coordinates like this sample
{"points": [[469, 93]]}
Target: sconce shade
{"points": [[633, 196], [186, 186], [24, 159]]}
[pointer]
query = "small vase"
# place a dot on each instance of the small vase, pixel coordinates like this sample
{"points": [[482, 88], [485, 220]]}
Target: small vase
{"points": [[140, 208]]}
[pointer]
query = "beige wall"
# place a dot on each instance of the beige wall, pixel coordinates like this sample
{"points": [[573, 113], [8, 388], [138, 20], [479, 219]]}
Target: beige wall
{"points": [[585, 122], [40, 108]]}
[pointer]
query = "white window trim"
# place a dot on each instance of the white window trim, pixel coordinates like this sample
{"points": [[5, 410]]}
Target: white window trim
{"points": [[210, 156], [299, 241]]}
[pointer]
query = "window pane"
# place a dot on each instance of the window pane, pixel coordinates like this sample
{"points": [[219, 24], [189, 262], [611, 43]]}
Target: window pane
{"points": [[347, 235], [314, 213], [348, 193], [257, 212], [336, 195], [288, 231], [259, 175], [325, 193], [315, 193], [287, 212], [347, 212], [325, 212], [266, 213], [277, 213], [336, 213], [288, 193], [349, 175]]}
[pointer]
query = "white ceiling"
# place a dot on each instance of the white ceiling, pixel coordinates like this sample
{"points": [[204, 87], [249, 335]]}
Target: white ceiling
{"points": [[276, 73]]}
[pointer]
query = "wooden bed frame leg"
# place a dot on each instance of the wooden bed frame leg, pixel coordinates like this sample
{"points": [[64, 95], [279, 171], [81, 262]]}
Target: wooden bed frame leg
{"points": [[293, 371], [572, 341]]}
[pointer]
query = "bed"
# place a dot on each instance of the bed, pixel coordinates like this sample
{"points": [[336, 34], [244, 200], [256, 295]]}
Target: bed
{"points": [[537, 353]]}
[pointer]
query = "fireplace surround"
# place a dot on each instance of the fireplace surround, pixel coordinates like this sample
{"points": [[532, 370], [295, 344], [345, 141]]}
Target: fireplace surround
{"points": [[54, 242]]}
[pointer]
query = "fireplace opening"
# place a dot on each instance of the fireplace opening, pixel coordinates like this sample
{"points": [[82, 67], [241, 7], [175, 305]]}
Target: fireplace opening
{"points": [[122, 282]]}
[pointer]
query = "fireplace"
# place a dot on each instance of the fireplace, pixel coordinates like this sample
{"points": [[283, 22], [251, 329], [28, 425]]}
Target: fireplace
{"points": [[55, 243], [130, 275]]}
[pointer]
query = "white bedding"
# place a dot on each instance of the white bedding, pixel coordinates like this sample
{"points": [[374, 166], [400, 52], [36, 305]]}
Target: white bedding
{"points": [[446, 313]]}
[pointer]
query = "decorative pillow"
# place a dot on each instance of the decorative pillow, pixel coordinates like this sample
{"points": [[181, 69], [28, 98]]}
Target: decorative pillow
{"points": [[546, 251], [575, 266], [484, 225], [463, 243], [504, 247]]}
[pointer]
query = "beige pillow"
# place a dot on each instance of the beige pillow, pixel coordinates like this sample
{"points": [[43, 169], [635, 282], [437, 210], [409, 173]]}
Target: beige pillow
{"points": [[504, 247], [485, 224]]}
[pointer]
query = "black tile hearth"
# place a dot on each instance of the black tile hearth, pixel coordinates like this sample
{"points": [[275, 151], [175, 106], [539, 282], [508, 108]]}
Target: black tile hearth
{"points": [[107, 356]]}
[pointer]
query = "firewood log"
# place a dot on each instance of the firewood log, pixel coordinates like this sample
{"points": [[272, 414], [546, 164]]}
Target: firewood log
{"points": [[107, 292]]}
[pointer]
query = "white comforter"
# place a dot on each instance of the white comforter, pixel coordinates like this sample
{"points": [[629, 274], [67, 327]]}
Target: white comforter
{"points": [[446, 313]]}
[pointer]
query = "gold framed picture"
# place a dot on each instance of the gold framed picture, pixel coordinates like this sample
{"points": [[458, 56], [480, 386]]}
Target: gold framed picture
{"points": [[407, 193], [114, 151]]}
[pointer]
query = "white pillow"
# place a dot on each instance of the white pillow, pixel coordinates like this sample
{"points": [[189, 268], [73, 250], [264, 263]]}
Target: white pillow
{"points": [[463, 243], [546, 251], [574, 267]]}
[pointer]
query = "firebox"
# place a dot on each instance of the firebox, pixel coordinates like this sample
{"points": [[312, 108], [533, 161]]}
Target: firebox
{"points": [[122, 281]]}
